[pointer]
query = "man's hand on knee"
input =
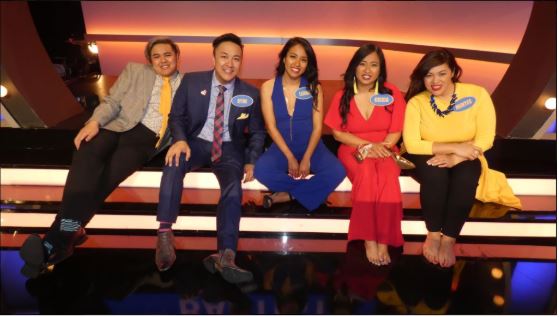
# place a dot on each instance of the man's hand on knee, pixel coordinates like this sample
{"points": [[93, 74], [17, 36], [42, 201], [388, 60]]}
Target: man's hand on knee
{"points": [[88, 132], [174, 153]]}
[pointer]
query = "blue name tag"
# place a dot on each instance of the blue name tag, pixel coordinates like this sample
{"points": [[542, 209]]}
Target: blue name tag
{"points": [[303, 93], [242, 101], [464, 103], [382, 100]]}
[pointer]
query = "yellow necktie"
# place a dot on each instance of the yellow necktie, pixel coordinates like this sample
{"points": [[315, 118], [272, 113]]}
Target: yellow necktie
{"points": [[164, 106]]}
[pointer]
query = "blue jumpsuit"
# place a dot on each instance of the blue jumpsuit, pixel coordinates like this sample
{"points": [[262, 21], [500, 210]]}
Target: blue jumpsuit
{"points": [[271, 167]]}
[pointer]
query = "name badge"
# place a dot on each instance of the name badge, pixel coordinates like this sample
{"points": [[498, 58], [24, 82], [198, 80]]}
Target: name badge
{"points": [[303, 93], [382, 100], [464, 104], [242, 101]]}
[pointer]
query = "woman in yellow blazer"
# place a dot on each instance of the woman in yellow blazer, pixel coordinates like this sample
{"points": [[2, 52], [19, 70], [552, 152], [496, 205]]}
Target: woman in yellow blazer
{"points": [[447, 127]]}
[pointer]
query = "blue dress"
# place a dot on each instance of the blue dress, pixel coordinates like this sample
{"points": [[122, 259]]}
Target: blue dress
{"points": [[271, 167]]}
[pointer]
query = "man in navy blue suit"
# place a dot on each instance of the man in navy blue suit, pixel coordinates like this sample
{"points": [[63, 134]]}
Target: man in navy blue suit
{"points": [[215, 120]]}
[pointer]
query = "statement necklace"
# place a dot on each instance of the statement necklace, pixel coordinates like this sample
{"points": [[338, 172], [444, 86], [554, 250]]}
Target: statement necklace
{"points": [[438, 111]]}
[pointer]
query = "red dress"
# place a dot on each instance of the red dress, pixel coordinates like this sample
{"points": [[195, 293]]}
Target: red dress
{"points": [[376, 212]]}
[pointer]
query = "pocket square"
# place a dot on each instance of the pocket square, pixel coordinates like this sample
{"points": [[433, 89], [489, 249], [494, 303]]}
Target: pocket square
{"points": [[243, 116]]}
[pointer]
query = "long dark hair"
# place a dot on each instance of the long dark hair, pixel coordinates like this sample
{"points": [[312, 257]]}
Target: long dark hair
{"points": [[311, 73], [349, 77], [432, 59]]}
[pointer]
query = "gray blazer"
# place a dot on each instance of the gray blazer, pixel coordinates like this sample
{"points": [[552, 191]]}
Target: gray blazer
{"points": [[128, 99]]}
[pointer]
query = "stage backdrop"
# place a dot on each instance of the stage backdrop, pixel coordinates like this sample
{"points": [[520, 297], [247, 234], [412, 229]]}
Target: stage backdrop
{"points": [[488, 33], [506, 47]]}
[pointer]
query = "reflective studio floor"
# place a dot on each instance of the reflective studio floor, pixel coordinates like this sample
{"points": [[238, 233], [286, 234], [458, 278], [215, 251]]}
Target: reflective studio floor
{"points": [[125, 281], [301, 262]]}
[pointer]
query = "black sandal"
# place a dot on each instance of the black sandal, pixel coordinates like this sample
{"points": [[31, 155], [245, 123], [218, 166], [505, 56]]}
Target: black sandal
{"points": [[267, 201], [290, 198]]}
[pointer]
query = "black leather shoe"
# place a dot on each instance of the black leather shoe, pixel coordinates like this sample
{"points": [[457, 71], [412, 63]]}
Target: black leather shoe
{"points": [[64, 244], [33, 254], [165, 250], [210, 262], [230, 271]]}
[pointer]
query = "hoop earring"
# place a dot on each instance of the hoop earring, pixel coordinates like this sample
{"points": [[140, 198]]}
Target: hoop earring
{"points": [[355, 91]]}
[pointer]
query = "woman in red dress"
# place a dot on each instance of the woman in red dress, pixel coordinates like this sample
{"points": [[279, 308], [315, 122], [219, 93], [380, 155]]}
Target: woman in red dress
{"points": [[370, 112]]}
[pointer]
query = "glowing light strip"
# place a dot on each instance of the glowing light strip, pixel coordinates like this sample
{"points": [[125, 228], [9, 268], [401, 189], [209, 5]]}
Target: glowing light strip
{"points": [[290, 244], [489, 56], [278, 225], [203, 180]]}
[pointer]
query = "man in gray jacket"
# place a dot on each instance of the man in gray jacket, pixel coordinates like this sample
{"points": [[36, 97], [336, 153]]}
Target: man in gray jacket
{"points": [[123, 133]]}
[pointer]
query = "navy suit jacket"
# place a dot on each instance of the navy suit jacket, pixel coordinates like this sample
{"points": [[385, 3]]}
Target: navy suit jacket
{"points": [[190, 107]]}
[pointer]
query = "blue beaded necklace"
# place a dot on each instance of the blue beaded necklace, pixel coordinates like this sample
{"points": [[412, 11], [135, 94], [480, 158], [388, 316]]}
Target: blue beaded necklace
{"points": [[438, 111]]}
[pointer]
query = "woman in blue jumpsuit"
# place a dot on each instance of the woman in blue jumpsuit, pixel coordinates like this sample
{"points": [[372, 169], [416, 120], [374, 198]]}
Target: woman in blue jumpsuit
{"points": [[292, 108]]}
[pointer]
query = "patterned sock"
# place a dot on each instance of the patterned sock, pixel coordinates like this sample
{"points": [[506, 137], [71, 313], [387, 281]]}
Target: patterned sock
{"points": [[165, 226], [48, 247], [69, 225]]}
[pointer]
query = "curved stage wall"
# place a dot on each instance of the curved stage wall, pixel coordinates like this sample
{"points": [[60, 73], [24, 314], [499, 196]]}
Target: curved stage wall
{"points": [[37, 96]]}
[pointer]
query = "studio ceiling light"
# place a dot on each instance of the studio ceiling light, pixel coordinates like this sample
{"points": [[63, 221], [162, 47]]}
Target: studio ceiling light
{"points": [[3, 91], [92, 46], [551, 103]]}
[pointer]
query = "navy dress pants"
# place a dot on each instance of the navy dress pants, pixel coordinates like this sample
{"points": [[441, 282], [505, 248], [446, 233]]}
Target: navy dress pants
{"points": [[229, 172]]}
